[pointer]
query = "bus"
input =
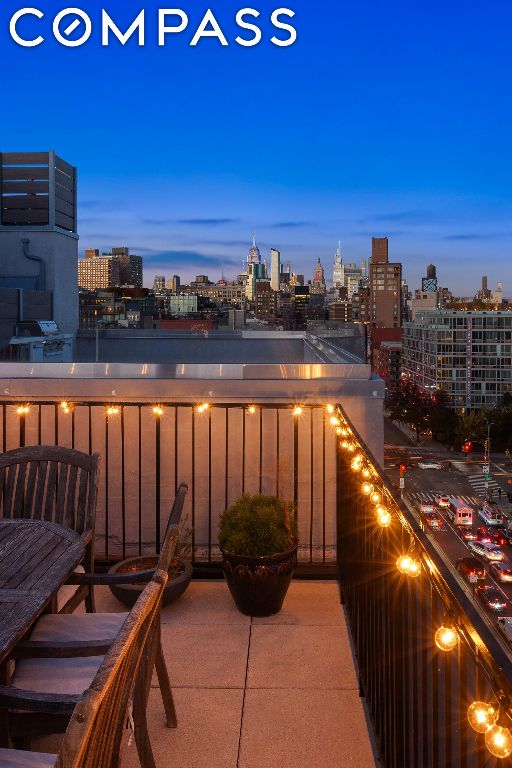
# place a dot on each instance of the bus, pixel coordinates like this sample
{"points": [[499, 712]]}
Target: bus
{"points": [[459, 512]]}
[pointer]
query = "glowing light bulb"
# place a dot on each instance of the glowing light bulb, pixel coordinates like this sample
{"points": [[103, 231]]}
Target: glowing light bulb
{"points": [[366, 472], [498, 741], [65, 406], [481, 716], [351, 447], [329, 408], [202, 408], [344, 432], [383, 517], [344, 444], [356, 464], [23, 410], [112, 410], [375, 497], [446, 638], [339, 431], [251, 409], [158, 410], [297, 411], [334, 421], [408, 566], [367, 488]]}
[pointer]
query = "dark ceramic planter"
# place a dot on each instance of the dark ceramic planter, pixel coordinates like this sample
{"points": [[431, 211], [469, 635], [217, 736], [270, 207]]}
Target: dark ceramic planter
{"points": [[259, 584], [128, 593]]}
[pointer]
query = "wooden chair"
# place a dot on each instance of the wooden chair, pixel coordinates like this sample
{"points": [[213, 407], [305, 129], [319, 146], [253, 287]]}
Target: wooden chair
{"points": [[95, 732], [65, 649], [48, 482]]}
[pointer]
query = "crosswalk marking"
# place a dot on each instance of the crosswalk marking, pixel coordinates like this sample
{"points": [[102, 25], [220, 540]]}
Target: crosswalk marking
{"points": [[433, 497], [478, 483]]}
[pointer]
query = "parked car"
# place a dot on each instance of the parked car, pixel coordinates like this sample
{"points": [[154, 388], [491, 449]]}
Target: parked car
{"points": [[443, 501], [490, 514], [491, 537], [489, 551], [426, 464], [502, 571], [432, 520], [471, 566], [505, 532], [468, 534], [492, 598]]}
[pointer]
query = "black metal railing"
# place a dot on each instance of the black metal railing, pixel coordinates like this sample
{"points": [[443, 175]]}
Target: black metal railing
{"points": [[220, 451], [417, 695]]}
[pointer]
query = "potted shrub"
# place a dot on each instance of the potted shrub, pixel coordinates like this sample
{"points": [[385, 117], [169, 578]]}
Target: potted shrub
{"points": [[258, 541], [180, 573]]}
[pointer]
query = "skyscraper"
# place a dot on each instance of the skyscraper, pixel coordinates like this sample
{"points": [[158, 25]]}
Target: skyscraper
{"points": [[130, 267], [255, 269], [174, 283], [429, 283], [319, 278], [385, 287], [337, 276], [275, 269]]}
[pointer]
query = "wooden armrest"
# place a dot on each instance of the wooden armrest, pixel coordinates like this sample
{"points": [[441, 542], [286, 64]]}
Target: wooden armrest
{"points": [[98, 579], [44, 649], [32, 701]]}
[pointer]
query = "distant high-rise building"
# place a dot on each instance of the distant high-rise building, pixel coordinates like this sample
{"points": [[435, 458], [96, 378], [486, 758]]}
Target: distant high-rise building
{"points": [[484, 294], [429, 283], [254, 256], [174, 283], [91, 253], [159, 283], [319, 278], [130, 267], [275, 269], [337, 275], [97, 272], [385, 287], [255, 270]]}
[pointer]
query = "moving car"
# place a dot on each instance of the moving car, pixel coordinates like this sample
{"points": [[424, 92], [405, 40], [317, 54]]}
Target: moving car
{"points": [[502, 571], [468, 534], [491, 514], [432, 520], [427, 464], [444, 501], [505, 627], [491, 537], [471, 567], [491, 597], [505, 532], [489, 551]]}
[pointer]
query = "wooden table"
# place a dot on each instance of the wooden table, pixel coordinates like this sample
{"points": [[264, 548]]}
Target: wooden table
{"points": [[36, 557]]}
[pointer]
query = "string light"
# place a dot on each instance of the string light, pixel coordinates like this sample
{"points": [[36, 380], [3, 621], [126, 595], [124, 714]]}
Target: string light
{"points": [[367, 488], [251, 409], [23, 410], [498, 741], [329, 408], [112, 410], [158, 410], [339, 431], [408, 566], [446, 638], [375, 497], [356, 463], [202, 408], [383, 517], [334, 421], [366, 472], [297, 411], [481, 716]]}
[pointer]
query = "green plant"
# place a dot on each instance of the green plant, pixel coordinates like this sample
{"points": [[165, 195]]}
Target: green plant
{"points": [[258, 526]]}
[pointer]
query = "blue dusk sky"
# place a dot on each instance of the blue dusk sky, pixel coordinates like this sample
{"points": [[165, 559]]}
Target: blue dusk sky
{"points": [[384, 118]]}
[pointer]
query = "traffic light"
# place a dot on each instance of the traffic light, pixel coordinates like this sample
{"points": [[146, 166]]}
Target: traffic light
{"points": [[467, 446], [403, 469]]}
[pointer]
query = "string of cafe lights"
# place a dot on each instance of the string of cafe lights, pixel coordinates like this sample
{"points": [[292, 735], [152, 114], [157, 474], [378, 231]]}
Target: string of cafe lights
{"points": [[489, 718]]}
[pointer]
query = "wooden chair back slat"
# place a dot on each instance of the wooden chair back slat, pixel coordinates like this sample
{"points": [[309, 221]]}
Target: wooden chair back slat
{"points": [[37, 509], [10, 486], [61, 488], [81, 510], [30, 490], [51, 492], [70, 508], [19, 493]]}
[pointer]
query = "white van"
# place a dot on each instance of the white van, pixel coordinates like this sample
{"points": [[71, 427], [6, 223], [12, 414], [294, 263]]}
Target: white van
{"points": [[459, 512], [491, 515], [425, 507]]}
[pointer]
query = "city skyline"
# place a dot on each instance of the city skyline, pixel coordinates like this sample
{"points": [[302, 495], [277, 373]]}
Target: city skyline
{"points": [[376, 122]]}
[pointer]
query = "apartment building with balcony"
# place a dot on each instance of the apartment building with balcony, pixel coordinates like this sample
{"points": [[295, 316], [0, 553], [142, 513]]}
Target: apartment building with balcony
{"points": [[468, 354]]}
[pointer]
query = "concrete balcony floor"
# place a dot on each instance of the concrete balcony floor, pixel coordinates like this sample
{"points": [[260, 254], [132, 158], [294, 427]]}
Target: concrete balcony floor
{"points": [[257, 692], [252, 693]]}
